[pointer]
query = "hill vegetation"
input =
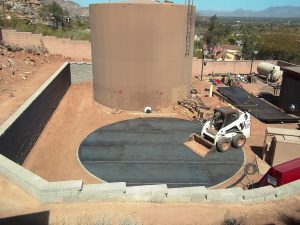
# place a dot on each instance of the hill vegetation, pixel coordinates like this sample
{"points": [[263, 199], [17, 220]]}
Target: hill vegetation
{"points": [[46, 17], [277, 12], [272, 39]]}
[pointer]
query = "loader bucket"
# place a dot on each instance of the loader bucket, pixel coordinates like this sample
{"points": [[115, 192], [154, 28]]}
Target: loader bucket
{"points": [[198, 145]]}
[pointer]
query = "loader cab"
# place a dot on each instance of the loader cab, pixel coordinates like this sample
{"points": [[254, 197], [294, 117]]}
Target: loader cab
{"points": [[224, 116]]}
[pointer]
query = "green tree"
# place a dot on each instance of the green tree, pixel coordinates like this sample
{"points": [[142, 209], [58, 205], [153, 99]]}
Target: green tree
{"points": [[54, 13], [279, 46], [249, 40], [216, 32]]}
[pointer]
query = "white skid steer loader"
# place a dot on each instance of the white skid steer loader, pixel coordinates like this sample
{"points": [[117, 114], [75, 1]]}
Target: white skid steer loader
{"points": [[228, 126]]}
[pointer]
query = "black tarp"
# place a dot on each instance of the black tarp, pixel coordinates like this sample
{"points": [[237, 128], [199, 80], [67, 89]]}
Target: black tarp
{"points": [[257, 107], [150, 151]]}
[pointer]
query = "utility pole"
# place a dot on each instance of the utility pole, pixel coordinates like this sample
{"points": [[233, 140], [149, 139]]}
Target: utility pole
{"points": [[204, 53], [254, 53], [4, 15]]}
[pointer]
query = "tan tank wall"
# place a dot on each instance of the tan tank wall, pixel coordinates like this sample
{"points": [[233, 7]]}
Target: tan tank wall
{"points": [[138, 54]]}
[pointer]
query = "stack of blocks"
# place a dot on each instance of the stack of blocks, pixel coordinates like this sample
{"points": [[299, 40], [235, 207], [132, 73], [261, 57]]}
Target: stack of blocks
{"points": [[75, 190]]}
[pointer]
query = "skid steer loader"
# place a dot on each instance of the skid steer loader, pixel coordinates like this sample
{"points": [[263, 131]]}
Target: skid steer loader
{"points": [[227, 127]]}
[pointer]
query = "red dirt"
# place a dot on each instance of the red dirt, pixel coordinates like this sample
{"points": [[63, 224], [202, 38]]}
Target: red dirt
{"points": [[21, 74]]}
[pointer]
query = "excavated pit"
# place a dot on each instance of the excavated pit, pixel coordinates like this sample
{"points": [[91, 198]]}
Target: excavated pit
{"points": [[147, 151]]}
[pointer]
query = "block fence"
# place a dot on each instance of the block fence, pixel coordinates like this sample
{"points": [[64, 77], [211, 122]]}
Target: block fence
{"points": [[64, 46], [75, 190]]}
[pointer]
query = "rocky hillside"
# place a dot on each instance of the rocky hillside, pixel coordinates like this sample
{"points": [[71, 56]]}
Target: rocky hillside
{"points": [[73, 8], [29, 9]]}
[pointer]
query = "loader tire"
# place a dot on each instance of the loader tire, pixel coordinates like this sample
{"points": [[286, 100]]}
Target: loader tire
{"points": [[223, 144], [238, 141]]}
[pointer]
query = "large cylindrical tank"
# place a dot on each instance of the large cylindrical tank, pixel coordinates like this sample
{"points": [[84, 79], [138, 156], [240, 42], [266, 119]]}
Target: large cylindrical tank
{"points": [[272, 71], [139, 53]]}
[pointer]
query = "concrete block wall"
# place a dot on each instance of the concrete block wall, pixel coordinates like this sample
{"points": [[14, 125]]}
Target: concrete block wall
{"points": [[240, 66], [76, 191], [63, 46], [16, 135], [81, 72]]}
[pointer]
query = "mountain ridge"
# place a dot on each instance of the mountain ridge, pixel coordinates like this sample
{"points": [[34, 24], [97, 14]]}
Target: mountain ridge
{"points": [[30, 9], [275, 11]]}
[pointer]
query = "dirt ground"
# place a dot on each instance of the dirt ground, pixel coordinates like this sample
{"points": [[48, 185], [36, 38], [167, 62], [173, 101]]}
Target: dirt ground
{"points": [[21, 74], [77, 116]]}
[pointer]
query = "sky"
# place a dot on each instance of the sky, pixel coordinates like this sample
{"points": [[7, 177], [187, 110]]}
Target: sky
{"points": [[223, 5]]}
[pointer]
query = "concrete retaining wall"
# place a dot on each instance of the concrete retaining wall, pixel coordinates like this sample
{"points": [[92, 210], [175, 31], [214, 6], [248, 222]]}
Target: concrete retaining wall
{"points": [[75, 190], [63, 46], [241, 66], [19, 133]]}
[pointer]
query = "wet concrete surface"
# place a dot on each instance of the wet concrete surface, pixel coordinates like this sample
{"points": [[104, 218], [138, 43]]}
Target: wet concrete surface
{"points": [[150, 151]]}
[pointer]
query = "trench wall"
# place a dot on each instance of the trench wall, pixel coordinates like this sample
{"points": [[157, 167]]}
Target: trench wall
{"points": [[75, 190], [64, 46], [19, 133]]}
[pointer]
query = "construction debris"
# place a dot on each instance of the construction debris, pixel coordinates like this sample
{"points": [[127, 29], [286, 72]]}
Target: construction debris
{"points": [[11, 62], [194, 105]]}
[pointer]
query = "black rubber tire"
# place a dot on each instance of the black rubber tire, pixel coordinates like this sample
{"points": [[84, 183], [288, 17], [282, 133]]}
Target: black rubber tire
{"points": [[238, 141], [223, 145]]}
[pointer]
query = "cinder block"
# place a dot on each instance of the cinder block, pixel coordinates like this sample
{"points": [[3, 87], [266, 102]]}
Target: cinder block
{"points": [[179, 199], [84, 197], [43, 199], [70, 198], [269, 192], [55, 199], [34, 192], [51, 187], [187, 194], [64, 193], [260, 194], [230, 195], [248, 201], [104, 192], [90, 188], [139, 198], [120, 196], [71, 185], [105, 187], [259, 199], [251, 194], [287, 190], [147, 189], [113, 187], [146, 193], [295, 184]]}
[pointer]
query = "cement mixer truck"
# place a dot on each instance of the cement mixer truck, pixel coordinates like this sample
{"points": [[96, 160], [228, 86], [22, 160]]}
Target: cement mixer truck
{"points": [[272, 72]]}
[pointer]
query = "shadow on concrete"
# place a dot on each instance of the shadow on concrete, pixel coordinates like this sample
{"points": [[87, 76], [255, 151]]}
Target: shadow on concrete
{"points": [[40, 218], [289, 220], [258, 150]]}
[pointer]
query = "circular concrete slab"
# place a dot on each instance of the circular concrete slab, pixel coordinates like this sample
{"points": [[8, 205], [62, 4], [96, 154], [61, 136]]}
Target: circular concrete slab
{"points": [[151, 151]]}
